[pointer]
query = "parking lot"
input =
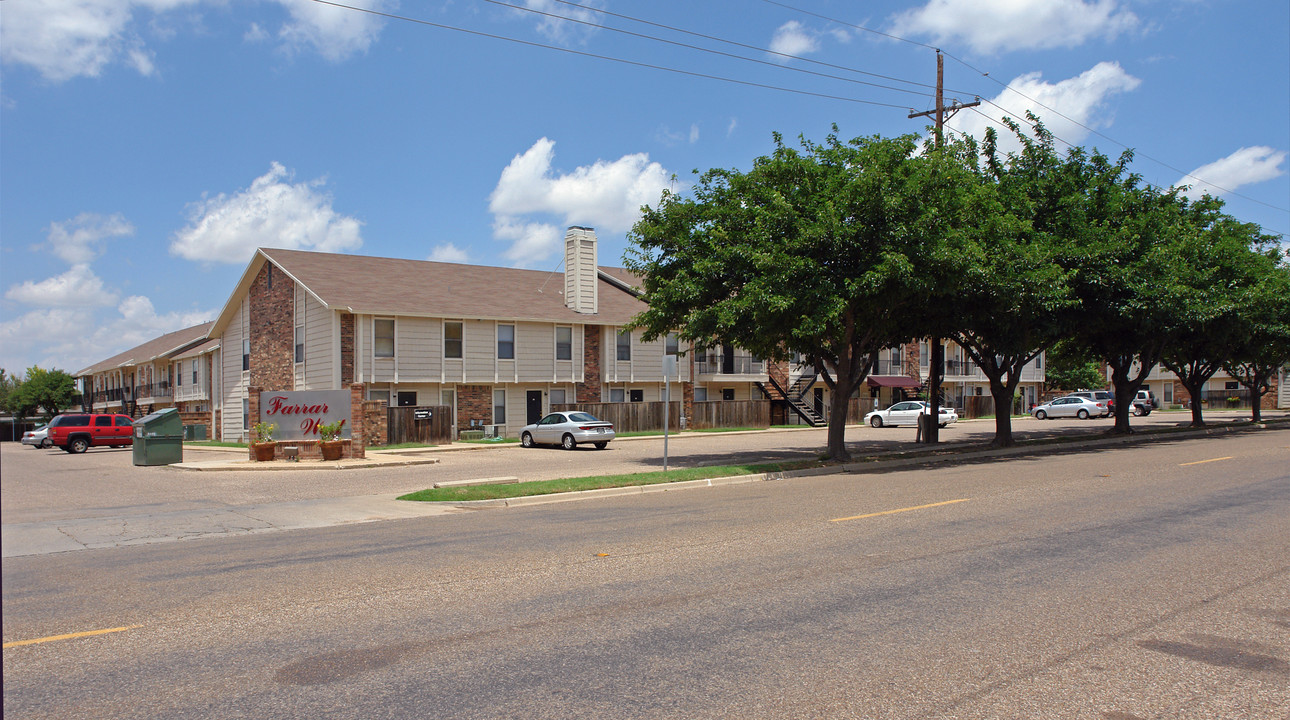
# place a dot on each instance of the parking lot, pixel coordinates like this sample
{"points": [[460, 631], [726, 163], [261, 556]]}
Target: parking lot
{"points": [[50, 485]]}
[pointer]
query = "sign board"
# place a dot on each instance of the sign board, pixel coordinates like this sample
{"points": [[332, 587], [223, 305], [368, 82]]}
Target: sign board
{"points": [[298, 414], [669, 365], [421, 414]]}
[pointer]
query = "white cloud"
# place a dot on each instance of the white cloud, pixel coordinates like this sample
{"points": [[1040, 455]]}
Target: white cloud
{"points": [[1246, 166], [82, 238], [335, 33], [792, 38], [71, 339], [78, 287], [448, 252], [1083, 99], [65, 39], [560, 30], [272, 212], [606, 195], [694, 134], [990, 26]]}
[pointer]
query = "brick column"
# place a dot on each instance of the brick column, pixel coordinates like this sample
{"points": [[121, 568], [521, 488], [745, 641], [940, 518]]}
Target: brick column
{"points": [[253, 417], [357, 426], [589, 390]]}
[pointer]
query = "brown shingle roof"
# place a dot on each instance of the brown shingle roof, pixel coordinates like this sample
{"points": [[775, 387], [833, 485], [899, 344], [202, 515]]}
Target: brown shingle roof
{"points": [[391, 286], [164, 345]]}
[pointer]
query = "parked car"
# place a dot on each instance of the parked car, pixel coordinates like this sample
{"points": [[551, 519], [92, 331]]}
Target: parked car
{"points": [[1144, 403], [1103, 396], [1071, 406], [568, 429], [77, 432], [907, 412], [38, 437]]}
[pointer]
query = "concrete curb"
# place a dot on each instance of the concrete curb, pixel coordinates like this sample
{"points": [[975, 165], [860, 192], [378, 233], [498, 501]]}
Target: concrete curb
{"points": [[875, 465]]}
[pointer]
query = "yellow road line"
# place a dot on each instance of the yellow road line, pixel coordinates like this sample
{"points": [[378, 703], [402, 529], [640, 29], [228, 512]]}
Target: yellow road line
{"points": [[901, 510], [69, 636], [1202, 462]]}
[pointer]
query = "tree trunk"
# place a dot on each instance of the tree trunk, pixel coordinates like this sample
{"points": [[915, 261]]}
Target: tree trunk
{"points": [[1002, 395], [838, 403], [1194, 389], [1125, 389]]}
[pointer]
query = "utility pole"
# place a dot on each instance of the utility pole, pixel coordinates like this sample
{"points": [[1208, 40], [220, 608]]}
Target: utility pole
{"points": [[936, 363]]}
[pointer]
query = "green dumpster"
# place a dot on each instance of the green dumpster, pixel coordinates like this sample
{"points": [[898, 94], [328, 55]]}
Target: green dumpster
{"points": [[159, 438]]}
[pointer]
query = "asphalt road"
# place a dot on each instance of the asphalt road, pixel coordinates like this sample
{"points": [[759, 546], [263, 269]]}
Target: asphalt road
{"points": [[1148, 581]]}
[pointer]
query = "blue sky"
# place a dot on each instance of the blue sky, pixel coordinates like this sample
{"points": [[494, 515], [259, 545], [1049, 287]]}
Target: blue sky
{"points": [[148, 146]]}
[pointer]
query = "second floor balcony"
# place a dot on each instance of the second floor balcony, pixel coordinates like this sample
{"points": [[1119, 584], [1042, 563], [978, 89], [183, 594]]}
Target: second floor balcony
{"points": [[727, 364]]}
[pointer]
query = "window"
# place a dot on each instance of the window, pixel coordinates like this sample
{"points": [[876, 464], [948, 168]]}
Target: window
{"points": [[246, 414], [179, 377], [499, 407], [563, 343], [625, 345], [270, 271], [638, 396], [895, 357], [194, 372], [407, 398], [1231, 385], [700, 394], [672, 345], [123, 421], [727, 393], [617, 395], [300, 343], [505, 342], [924, 355], [379, 395], [452, 340], [246, 354], [558, 397], [384, 347]]}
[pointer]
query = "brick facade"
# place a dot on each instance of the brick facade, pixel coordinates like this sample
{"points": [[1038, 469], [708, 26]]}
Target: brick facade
{"points": [[474, 403], [272, 330], [347, 337], [589, 390], [376, 422]]}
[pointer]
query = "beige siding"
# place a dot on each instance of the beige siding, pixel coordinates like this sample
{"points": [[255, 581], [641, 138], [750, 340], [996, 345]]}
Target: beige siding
{"points": [[381, 369], [319, 359], [233, 378], [419, 346], [480, 351]]}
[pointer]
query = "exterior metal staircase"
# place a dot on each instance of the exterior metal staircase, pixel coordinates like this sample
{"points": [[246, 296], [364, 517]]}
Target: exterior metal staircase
{"points": [[794, 395]]}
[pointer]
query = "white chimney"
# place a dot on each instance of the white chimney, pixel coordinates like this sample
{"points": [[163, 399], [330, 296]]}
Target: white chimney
{"points": [[580, 270]]}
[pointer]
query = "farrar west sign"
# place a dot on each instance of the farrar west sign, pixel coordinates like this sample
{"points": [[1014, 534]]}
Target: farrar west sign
{"points": [[298, 414]]}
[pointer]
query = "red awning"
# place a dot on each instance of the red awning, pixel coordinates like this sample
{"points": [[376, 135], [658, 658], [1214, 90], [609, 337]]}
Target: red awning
{"points": [[894, 381]]}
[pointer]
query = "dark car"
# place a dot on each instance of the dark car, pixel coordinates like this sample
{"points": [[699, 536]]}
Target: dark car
{"points": [[77, 432]]}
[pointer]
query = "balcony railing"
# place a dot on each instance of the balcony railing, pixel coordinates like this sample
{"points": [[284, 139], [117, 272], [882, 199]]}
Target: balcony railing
{"points": [[885, 366], [729, 365]]}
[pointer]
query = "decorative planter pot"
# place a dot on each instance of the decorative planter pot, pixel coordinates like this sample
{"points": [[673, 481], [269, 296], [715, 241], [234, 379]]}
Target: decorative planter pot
{"points": [[264, 451], [332, 450]]}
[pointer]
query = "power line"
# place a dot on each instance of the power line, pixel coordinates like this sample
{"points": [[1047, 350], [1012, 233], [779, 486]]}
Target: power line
{"points": [[734, 43], [1007, 86], [634, 63]]}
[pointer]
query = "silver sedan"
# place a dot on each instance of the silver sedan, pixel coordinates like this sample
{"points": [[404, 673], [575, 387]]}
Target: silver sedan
{"points": [[568, 429], [1071, 406], [907, 412]]}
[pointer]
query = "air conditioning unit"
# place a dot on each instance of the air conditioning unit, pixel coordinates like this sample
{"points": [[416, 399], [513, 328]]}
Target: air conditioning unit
{"points": [[493, 431]]}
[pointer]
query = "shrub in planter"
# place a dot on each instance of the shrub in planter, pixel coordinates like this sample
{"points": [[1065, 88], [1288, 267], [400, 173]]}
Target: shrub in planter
{"points": [[329, 442], [262, 441]]}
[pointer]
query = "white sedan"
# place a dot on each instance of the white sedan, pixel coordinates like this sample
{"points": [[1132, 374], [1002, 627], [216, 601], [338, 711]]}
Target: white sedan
{"points": [[568, 429], [907, 412]]}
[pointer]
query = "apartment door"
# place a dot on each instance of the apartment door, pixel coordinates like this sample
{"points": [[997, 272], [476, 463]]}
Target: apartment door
{"points": [[727, 360], [533, 400], [449, 398]]}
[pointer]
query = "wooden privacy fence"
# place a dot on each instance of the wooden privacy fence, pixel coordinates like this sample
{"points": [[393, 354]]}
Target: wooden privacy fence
{"points": [[730, 413], [408, 425], [975, 406], [629, 417]]}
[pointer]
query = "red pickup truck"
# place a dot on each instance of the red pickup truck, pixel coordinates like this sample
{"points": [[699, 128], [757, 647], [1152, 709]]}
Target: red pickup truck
{"points": [[76, 432]]}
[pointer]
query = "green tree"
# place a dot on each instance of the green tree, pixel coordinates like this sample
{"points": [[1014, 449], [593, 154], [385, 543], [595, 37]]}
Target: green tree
{"points": [[8, 384], [1261, 345], [1071, 367], [1217, 269], [51, 390], [825, 252], [1014, 297]]}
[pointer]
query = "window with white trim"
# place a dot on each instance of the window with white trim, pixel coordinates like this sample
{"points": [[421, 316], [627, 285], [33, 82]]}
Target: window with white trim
{"points": [[617, 395], [300, 343], [624, 344], [505, 342], [383, 330], [452, 343], [499, 407], [563, 342]]}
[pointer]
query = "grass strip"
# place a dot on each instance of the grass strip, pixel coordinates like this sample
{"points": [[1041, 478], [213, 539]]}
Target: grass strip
{"points": [[563, 485]]}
